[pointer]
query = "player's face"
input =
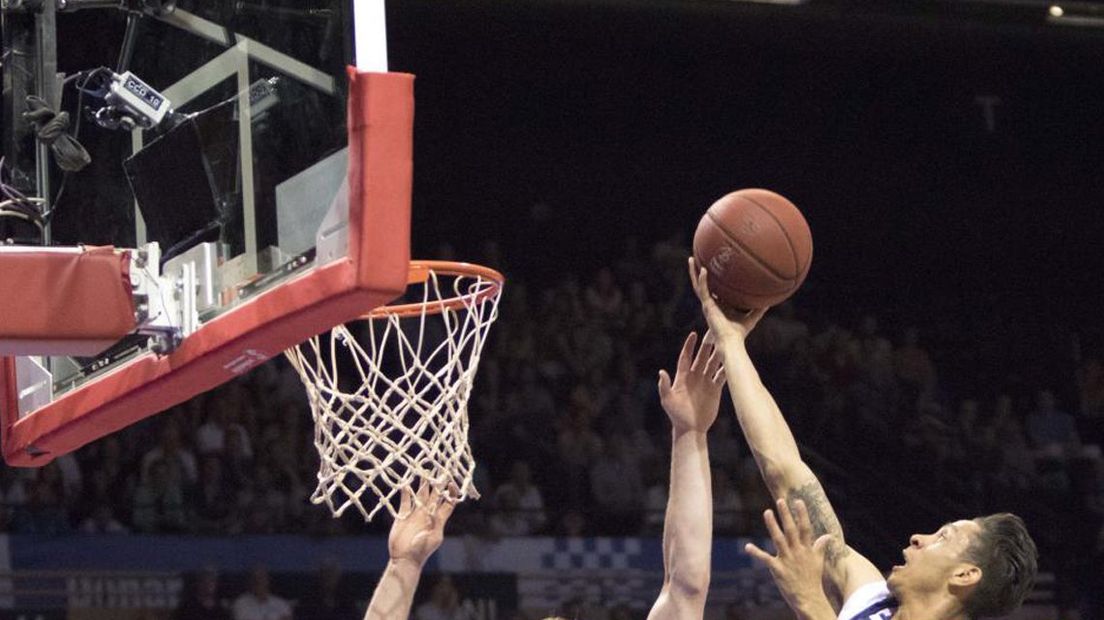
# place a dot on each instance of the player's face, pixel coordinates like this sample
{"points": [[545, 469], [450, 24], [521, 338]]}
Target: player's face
{"points": [[930, 560]]}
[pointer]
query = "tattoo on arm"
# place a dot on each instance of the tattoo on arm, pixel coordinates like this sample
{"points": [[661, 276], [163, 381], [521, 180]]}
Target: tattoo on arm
{"points": [[823, 518]]}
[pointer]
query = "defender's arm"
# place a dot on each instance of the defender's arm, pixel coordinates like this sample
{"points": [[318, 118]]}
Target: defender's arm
{"points": [[691, 402], [415, 535]]}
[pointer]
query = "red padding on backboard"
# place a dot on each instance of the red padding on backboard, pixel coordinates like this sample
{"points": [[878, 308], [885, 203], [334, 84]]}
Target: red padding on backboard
{"points": [[74, 301], [381, 119]]}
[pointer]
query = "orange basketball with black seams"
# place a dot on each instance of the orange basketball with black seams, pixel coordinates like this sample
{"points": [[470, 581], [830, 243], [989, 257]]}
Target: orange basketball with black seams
{"points": [[756, 246]]}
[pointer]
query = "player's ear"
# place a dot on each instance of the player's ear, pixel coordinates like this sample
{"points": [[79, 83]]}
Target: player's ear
{"points": [[965, 575]]}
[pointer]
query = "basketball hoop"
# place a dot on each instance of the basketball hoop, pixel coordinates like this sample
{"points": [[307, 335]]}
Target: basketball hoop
{"points": [[389, 392]]}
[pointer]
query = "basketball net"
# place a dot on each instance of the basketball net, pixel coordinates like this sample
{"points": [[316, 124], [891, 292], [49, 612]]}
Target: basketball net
{"points": [[389, 392]]}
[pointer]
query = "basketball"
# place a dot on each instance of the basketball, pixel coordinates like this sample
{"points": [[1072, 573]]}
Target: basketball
{"points": [[756, 246]]}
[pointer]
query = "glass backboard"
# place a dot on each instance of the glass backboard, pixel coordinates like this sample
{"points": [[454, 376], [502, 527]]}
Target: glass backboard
{"points": [[223, 159]]}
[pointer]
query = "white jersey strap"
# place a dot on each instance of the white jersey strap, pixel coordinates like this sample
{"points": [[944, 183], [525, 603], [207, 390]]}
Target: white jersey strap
{"points": [[871, 601]]}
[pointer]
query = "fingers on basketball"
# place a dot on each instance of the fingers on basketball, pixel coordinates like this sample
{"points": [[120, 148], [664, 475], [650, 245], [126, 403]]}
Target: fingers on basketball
{"points": [[698, 280]]}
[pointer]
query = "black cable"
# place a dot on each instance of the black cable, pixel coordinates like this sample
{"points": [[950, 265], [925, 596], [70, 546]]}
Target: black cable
{"points": [[51, 128], [87, 75]]}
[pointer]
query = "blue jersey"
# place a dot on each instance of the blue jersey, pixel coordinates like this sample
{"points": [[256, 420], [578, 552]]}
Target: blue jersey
{"points": [[870, 602]]}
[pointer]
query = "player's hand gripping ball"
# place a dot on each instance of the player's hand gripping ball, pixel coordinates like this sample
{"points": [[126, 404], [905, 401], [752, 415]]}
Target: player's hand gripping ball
{"points": [[757, 248]]}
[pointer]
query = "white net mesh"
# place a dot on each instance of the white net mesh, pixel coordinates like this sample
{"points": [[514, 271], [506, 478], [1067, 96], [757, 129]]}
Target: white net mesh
{"points": [[389, 395]]}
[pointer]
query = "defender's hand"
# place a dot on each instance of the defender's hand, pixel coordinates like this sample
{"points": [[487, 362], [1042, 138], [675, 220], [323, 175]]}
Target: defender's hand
{"points": [[799, 565], [420, 527], [694, 397], [727, 325]]}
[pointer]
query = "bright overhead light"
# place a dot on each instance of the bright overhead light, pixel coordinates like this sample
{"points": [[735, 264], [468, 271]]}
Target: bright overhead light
{"points": [[1076, 14]]}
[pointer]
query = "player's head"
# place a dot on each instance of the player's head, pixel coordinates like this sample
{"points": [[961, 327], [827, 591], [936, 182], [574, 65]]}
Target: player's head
{"points": [[987, 563]]}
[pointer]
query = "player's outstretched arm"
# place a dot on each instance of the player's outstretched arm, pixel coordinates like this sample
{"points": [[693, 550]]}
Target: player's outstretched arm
{"points": [[798, 569], [772, 443], [416, 533], [691, 402]]}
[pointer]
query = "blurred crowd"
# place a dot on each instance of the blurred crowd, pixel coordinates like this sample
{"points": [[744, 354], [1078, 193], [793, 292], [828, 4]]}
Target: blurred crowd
{"points": [[571, 441]]}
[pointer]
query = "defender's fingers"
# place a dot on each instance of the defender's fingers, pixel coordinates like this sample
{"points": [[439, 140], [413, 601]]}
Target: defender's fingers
{"points": [[444, 510], [405, 498], [714, 362], [423, 493], [664, 383], [687, 353], [705, 352], [758, 554], [703, 356], [775, 531], [793, 537], [804, 524], [719, 376]]}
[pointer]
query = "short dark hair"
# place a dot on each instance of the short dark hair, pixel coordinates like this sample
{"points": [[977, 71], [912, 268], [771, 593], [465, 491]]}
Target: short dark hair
{"points": [[1008, 560]]}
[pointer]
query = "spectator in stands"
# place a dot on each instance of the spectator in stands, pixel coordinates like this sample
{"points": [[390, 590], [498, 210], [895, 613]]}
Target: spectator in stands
{"points": [[534, 402], [621, 612], [215, 506], [508, 518], [180, 463], [1015, 470], [1090, 384], [1052, 431], [725, 450], [259, 603], [656, 494], [443, 604], [102, 521], [575, 608], [639, 315], [577, 448], [530, 503], [43, 514], [914, 366], [238, 459], [617, 490], [69, 472], [734, 612], [728, 506], [202, 601], [778, 332], [573, 524], [159, 503], [328, 600], [221, 422], [110, 479], [263, 503], [603, 297]]}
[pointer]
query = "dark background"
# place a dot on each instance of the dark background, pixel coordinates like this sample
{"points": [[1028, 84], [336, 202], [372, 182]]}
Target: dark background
{"points": [[630, 118]]}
